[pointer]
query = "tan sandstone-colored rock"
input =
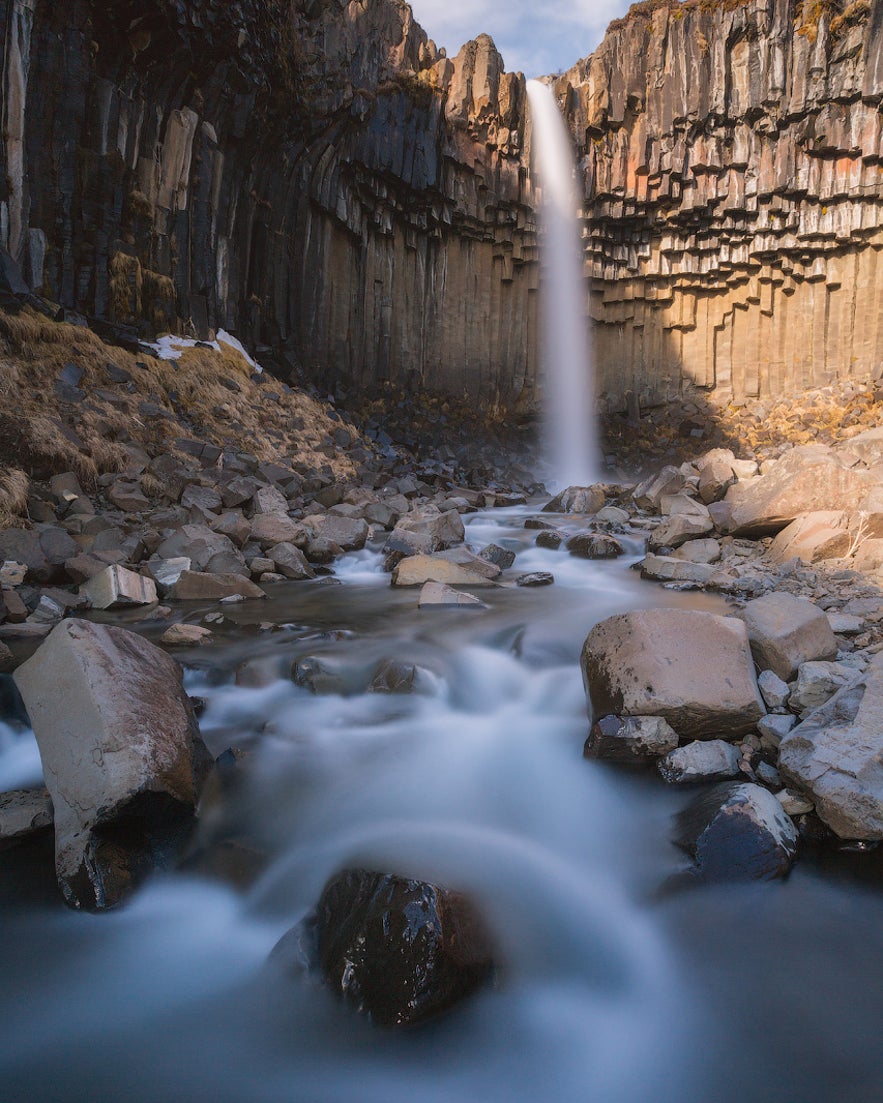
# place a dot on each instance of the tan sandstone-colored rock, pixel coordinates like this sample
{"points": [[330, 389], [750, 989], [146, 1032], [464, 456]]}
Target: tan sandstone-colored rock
{"points": [[197, 586], [692, 668], [418, 569], [121, 753], [786, 631], [822, 534]]}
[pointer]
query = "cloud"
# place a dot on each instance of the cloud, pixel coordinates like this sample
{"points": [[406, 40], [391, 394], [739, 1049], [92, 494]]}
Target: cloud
{"points": [[534, 38]]}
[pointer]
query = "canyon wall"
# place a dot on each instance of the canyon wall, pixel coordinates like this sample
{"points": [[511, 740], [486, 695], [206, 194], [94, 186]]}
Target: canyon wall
{"points": [[734, 197], [311, 174], [317, 177]]}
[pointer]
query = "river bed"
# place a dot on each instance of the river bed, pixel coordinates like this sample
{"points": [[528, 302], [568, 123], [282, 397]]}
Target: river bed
{"points": [[617, 985]]}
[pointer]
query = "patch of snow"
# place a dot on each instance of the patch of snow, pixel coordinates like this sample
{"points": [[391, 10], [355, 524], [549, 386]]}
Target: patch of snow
{"points": [[170, 347]]}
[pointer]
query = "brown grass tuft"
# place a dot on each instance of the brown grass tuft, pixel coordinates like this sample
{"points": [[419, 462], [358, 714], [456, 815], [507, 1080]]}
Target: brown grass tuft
{"points": [[14, 485]]}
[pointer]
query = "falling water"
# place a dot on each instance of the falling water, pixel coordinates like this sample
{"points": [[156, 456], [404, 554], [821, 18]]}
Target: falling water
{"points": [[571, 435]]}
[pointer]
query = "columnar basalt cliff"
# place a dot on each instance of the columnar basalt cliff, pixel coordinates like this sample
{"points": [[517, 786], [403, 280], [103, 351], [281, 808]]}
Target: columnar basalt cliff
{"points": [[312, 174], [732, 159]]}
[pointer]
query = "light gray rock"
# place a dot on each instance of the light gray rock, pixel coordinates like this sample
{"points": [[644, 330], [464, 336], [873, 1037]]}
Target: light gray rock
{"points": [[786, 631], [435, 595], [630, 739], [716, 476], [836, 757], [669, 480], [578, 499], [699, 551], [821, 534], [419, 569], [844, 624], [198, 543], [612, 515], [794, 803], [683, 505], [424, 531], [678, 530], [121, 753], [692, 668], [115, 587], [774, 727], [816, 683], [737, 831], [709, 760], [290, 562], [773, 689], [268, 529], [166, 572], [666, 568]]}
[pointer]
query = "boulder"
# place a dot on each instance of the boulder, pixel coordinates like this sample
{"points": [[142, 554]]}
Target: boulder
{"points": [[774, 727], [795, 484], [198, 543], [204, 498], [710, 760], [550, 539], [127, 496], [666, 568], [716, 476], [683, 505], [692, 668], [196, 586], [436, 595], [786, 631], [463, 557], [121, 752], [418, 569], [500, 557], [594, 545], [23, 812], [773, 689], [677, 530], [535, 578], [348, 533], [166, 572], [737, 832], [424, 531], [399, 950], [630, 740], [836, 757], [612, 515], [268, 529], [699, 551], [185, 635], [115, 588], [290, 562], [394, 676], [269, 499], [817, 682], [578, 499], [822, 534], [670, 480], [22, 546]]}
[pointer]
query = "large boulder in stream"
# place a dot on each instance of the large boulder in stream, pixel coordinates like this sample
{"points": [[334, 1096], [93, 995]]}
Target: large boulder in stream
{"points": [[836, 756], [403, 951], [122, 756], [694, 669]]}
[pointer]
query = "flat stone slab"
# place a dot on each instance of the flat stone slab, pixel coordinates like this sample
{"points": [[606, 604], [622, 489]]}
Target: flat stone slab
{"points": [[435, 595]]}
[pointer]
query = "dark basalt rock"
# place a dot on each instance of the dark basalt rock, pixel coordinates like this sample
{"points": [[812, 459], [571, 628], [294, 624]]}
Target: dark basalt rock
{"points": [[399, 950], [594, 545], [550, 539], [737, 832]]}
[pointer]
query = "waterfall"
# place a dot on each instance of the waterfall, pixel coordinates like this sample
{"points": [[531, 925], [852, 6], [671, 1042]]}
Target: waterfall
{"points": [[570, 421]]}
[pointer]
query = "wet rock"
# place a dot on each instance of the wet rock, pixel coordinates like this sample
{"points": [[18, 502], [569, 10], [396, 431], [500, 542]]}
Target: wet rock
{"points": [[630, 740], [197, 586], [786, 631], [773, 689], [836, 757], [423, 532], [677, 530], [578, 499], [692, 668], [794, 803], [116, 588], [500, 557], [185, 635], [399, 950], [816, 683], [121, 754], [418, 569], [394, 676], [310, 672], [23, 812], [594, 545], [551, 539], [166, 572], [712, 760], [612, 515], [535, 578], [437, 595], [666, 568], [737, 832]]}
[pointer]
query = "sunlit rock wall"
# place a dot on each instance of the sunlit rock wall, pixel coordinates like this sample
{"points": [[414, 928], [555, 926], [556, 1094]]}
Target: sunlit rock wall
{"points": [[311, 174], [732, 161]]}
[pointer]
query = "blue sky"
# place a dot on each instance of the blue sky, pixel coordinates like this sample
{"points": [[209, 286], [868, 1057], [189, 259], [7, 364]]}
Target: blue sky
{"points": [[535, 36]]}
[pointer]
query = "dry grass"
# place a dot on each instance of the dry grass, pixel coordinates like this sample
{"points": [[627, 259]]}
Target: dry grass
{"points": [[14, 485]]}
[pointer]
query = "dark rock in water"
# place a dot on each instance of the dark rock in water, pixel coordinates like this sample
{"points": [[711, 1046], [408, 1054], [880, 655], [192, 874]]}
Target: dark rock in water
{"points": [[550, 539], [311, 673], [393, 676], [536, 523], [500, 557], [630, 740], [401, 951], [578, 499], [594, 545], [737, 832], [535, 578], [7, 660]]}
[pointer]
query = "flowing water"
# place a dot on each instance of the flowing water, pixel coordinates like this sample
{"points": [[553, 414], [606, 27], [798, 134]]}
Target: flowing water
{"points": [[614, 986], [570, 418]]}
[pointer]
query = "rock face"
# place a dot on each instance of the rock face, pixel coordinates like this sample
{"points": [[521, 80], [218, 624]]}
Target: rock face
{"points": [[693, 669], [402, 951], [836, 756], [731, 162], [121, 752]]}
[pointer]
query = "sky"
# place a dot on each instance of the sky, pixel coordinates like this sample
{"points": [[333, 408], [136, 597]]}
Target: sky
{"points": [[534, 36]]}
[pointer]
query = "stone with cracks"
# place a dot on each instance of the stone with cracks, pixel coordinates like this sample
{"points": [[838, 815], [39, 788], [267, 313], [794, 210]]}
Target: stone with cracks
{"points": [[348, 533], [435, 595], [666, 568], [578, 499], [692, 668], [670, 480], [268, 529], [399, 950], [786, 631], [418, 569], [422, 532], [594, 545], [822, 534], [196, 586], [198, 543], [737, 832], [711, 760], [677, 530], [290, 562], [122, 756], [630, 740], [836, 757], [115, 588], [816, 683]]}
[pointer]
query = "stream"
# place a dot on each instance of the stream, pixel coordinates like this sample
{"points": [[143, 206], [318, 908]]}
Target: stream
{"points": [[616, 985]]}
